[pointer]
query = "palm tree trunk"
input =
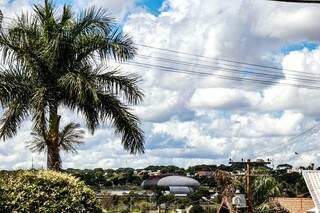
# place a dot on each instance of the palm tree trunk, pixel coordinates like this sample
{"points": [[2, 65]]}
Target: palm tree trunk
{"points": [[53, 155]]}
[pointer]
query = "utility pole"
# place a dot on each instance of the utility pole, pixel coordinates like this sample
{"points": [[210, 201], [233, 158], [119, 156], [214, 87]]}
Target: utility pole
{"points": [[248, 165], [249, 186]]}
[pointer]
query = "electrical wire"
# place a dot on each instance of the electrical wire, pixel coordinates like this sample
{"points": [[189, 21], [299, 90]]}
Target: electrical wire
{"points": [[226, 77], [292, 139], [221, 59], [227, 69]]}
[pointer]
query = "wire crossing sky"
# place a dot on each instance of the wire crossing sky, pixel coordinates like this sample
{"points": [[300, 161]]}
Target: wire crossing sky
{"points": [[222, 79]]}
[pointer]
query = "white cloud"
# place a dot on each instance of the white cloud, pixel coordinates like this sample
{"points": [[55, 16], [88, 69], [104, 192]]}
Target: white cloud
{"points": [[224, 99], [206, 119], [117, 8]]}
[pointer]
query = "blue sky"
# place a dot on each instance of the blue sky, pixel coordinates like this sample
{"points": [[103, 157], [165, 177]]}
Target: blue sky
{"points": [[294, 46], [152, 5]]}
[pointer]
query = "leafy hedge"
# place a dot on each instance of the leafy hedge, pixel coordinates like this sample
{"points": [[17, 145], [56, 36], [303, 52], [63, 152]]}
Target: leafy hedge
{"points": [[46, 191]]}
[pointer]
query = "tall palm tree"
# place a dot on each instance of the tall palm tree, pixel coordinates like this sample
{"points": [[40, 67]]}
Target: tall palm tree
{"points": [[68, 137], [52, 59]]}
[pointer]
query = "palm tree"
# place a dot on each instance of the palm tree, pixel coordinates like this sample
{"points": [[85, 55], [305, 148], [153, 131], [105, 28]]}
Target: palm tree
{"points": [[264, 189], [53, 59], [70, 136]]}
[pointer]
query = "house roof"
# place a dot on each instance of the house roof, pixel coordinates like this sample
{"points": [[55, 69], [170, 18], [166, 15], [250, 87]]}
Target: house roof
{"points": [[294, 204], [178, 181], [312, 179], [313, 210]]}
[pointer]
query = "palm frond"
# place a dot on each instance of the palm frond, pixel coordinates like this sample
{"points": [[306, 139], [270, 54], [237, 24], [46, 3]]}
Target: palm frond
{"points": [[93, 21], [70, 136], [46, 16], [126, 124], [120, 46], [12, 119], [66, 17], [40, 108], [120, 84], [38, 142], [15, 84], [81, 85]]}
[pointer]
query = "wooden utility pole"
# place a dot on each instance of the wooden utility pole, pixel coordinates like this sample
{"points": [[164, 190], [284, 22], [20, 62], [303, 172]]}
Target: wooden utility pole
{"points": [[249, 187], [248, 165]]}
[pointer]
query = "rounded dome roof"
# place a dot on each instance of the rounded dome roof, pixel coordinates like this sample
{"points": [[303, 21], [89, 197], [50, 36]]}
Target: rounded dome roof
{"points": [[151, 182], [169, 181], [178, 181]]}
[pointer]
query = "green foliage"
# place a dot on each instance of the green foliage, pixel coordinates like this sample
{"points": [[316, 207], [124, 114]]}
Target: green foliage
{"points": [[170, 198], [166, 169], [183, 203], [265, 188], [293, 184], [198, 194], [203, 167], [144, 206], [197, 209], [46, 191]]}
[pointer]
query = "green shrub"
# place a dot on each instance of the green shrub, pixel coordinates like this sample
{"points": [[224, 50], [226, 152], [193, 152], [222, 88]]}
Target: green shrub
{"points": [[46, 191], [196, 209]]}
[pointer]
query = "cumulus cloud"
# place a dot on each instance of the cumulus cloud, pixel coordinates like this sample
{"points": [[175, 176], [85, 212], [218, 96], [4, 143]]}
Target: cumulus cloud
{"points": [[117, 8], [203, 119], [224, 99]]}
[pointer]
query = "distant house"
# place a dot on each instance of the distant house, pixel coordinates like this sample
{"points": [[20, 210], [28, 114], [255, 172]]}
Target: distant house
{"points": [[204, 173], [284, 167]]}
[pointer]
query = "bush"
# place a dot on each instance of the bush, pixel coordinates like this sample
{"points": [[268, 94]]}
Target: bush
{"points": [[106, 200], [196, 209], [46, 191]]}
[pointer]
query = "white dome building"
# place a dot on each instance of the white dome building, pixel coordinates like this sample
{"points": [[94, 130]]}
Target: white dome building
{"points": [[178, 185]]}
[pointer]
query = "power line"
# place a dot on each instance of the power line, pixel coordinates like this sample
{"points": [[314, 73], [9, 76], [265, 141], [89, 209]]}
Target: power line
{"points": [[294, 138], [307, 131], [232, 65], [226, 77], [222, 59], [241, 71]]}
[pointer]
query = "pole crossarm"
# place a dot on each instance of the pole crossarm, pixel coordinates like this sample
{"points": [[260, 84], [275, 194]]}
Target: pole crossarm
{"points": [[248, 165]]}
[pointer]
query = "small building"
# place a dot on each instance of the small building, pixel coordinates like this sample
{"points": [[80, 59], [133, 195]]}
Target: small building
{"points": [[180, 186], [285, 167], [204, 173]]}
